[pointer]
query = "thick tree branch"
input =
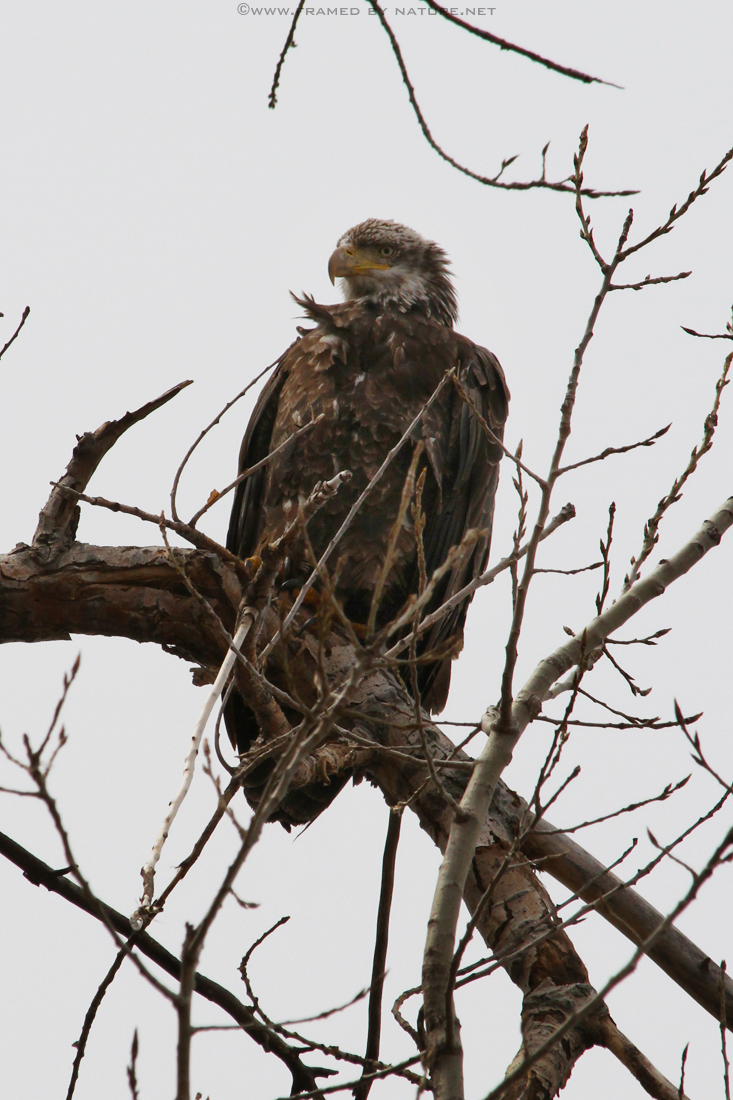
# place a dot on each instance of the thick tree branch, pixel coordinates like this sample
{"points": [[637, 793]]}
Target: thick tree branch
{"points": [[59, 517]]}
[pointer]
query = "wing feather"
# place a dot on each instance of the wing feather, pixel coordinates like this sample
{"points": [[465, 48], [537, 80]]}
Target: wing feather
{"points": [[468, 502], [246, 518]]}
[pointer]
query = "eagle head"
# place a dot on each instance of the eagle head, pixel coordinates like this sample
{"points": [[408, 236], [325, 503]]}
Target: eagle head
{"points": [[389, 264]]}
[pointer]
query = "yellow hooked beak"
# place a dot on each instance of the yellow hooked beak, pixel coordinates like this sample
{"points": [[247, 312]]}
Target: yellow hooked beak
{"points": [[350, 261]]}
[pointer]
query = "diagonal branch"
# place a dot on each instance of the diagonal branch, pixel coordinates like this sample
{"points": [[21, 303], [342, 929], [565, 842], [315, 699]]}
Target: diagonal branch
{"points": [[574, 74], [676, 212], [59, 517], [40, 874], [216, 496], [615, 451]]}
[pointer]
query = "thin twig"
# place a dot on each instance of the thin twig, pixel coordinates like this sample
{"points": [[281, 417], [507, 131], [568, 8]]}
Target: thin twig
{"points": [[615, 451], [707, 335], [669, 790], [513, 456], [148, 869], [216, 496], [23, 320], [387, 1071], [371, 1053], [205, 432], [132, 1068], [651, 527], [81, 1042], [648, 281], [572, 572], [190, 534], [574, 74], [289, 44]]}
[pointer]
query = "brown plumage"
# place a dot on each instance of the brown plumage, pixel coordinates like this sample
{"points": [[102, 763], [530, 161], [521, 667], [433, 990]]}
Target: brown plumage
{"points": [[369, 365]]}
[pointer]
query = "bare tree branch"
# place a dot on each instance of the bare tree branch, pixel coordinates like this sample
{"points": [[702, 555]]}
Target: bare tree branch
{"points": [[59, 517], [488, 181], [289, 44], [574, 74], [202, 435], [651, 527], [615, 451], [40, 874]]}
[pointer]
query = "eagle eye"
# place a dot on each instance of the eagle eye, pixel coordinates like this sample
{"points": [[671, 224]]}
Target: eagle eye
{"points": [[386, 250]]}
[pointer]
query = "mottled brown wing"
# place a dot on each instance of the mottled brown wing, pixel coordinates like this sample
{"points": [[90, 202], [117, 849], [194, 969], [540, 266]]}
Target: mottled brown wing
{"points": [[246, 519], [470, 476]]}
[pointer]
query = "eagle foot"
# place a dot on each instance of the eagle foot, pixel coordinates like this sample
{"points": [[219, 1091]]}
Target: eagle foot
{"points": [[293, 586]]}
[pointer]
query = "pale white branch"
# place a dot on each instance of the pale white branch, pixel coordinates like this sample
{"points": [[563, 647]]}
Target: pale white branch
{"points": [[148, 869]]}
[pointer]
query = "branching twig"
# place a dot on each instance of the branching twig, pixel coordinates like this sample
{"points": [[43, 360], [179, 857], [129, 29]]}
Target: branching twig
{"points": [[202, 435], [651, 527], [615, 451], [190, 534], [488, 181], [216, 496]]}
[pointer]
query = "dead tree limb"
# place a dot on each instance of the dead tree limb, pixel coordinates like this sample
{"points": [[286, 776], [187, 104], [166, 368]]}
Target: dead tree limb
{"points": [[59, 517]]}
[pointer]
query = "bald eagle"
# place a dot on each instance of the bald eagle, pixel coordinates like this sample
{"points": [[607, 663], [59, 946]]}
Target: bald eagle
{"points": [[368, 366]]}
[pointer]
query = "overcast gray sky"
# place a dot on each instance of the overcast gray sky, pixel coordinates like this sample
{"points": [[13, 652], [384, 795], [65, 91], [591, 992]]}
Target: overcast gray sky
{"points": [[155, 214]]}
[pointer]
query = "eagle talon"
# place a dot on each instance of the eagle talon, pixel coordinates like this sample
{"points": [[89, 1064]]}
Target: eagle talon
{"points": [[292, 584]]}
